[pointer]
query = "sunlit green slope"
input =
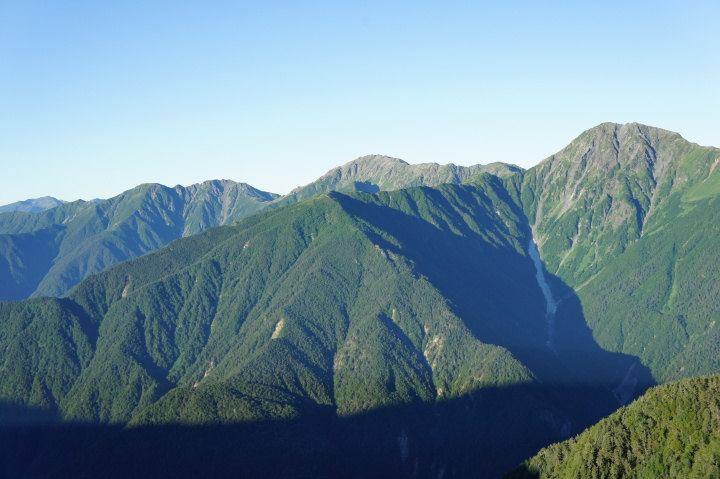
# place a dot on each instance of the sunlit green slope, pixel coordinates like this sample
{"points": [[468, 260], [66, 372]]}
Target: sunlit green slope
{"points": [[671, 431]]}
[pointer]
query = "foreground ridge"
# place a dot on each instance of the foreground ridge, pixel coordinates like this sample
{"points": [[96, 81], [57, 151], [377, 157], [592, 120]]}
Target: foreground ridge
{"points": [[671, 431]]}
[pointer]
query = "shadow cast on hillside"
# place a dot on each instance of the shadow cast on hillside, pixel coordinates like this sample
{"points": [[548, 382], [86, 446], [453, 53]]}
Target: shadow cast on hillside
{"points": [[483, 434], [493, 288]]}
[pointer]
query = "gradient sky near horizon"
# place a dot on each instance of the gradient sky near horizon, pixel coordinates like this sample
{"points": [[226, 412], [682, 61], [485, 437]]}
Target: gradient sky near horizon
{"points": [[98, 97]]}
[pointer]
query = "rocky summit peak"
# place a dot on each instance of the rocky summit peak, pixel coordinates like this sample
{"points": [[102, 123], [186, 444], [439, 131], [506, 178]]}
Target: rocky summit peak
{"points": [[370, 164], [629, 132], [620, 176], [378, 159], [612, 145]]}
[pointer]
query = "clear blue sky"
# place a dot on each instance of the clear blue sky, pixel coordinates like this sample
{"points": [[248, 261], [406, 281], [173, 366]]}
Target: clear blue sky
{"points": [[97, 97]]}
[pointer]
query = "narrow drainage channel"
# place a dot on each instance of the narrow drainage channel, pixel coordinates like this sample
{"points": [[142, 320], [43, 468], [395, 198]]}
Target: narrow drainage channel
{"points": [[550, 303]]}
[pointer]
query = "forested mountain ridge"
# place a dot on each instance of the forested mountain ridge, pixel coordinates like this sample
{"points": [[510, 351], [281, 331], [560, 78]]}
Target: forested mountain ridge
{"points": [[586, 204], [229, 257], [48, 253], [671, 431]]}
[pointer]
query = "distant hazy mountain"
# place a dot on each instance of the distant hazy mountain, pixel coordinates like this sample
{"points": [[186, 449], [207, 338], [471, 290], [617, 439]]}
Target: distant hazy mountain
{"points": [[48, 253], [669, 432], [35, 205]]}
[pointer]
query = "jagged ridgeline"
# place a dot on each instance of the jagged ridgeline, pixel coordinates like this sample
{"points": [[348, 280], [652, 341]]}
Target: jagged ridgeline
{"points": [[375, 173], [671, 431]]}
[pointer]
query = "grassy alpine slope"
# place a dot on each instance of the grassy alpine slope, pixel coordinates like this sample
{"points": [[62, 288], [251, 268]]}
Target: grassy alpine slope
{"points": [[671, 431], [611, 186]]}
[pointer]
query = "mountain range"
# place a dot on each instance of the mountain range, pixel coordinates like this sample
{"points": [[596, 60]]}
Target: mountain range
{"points": [[49, 253], [444, 321]]}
